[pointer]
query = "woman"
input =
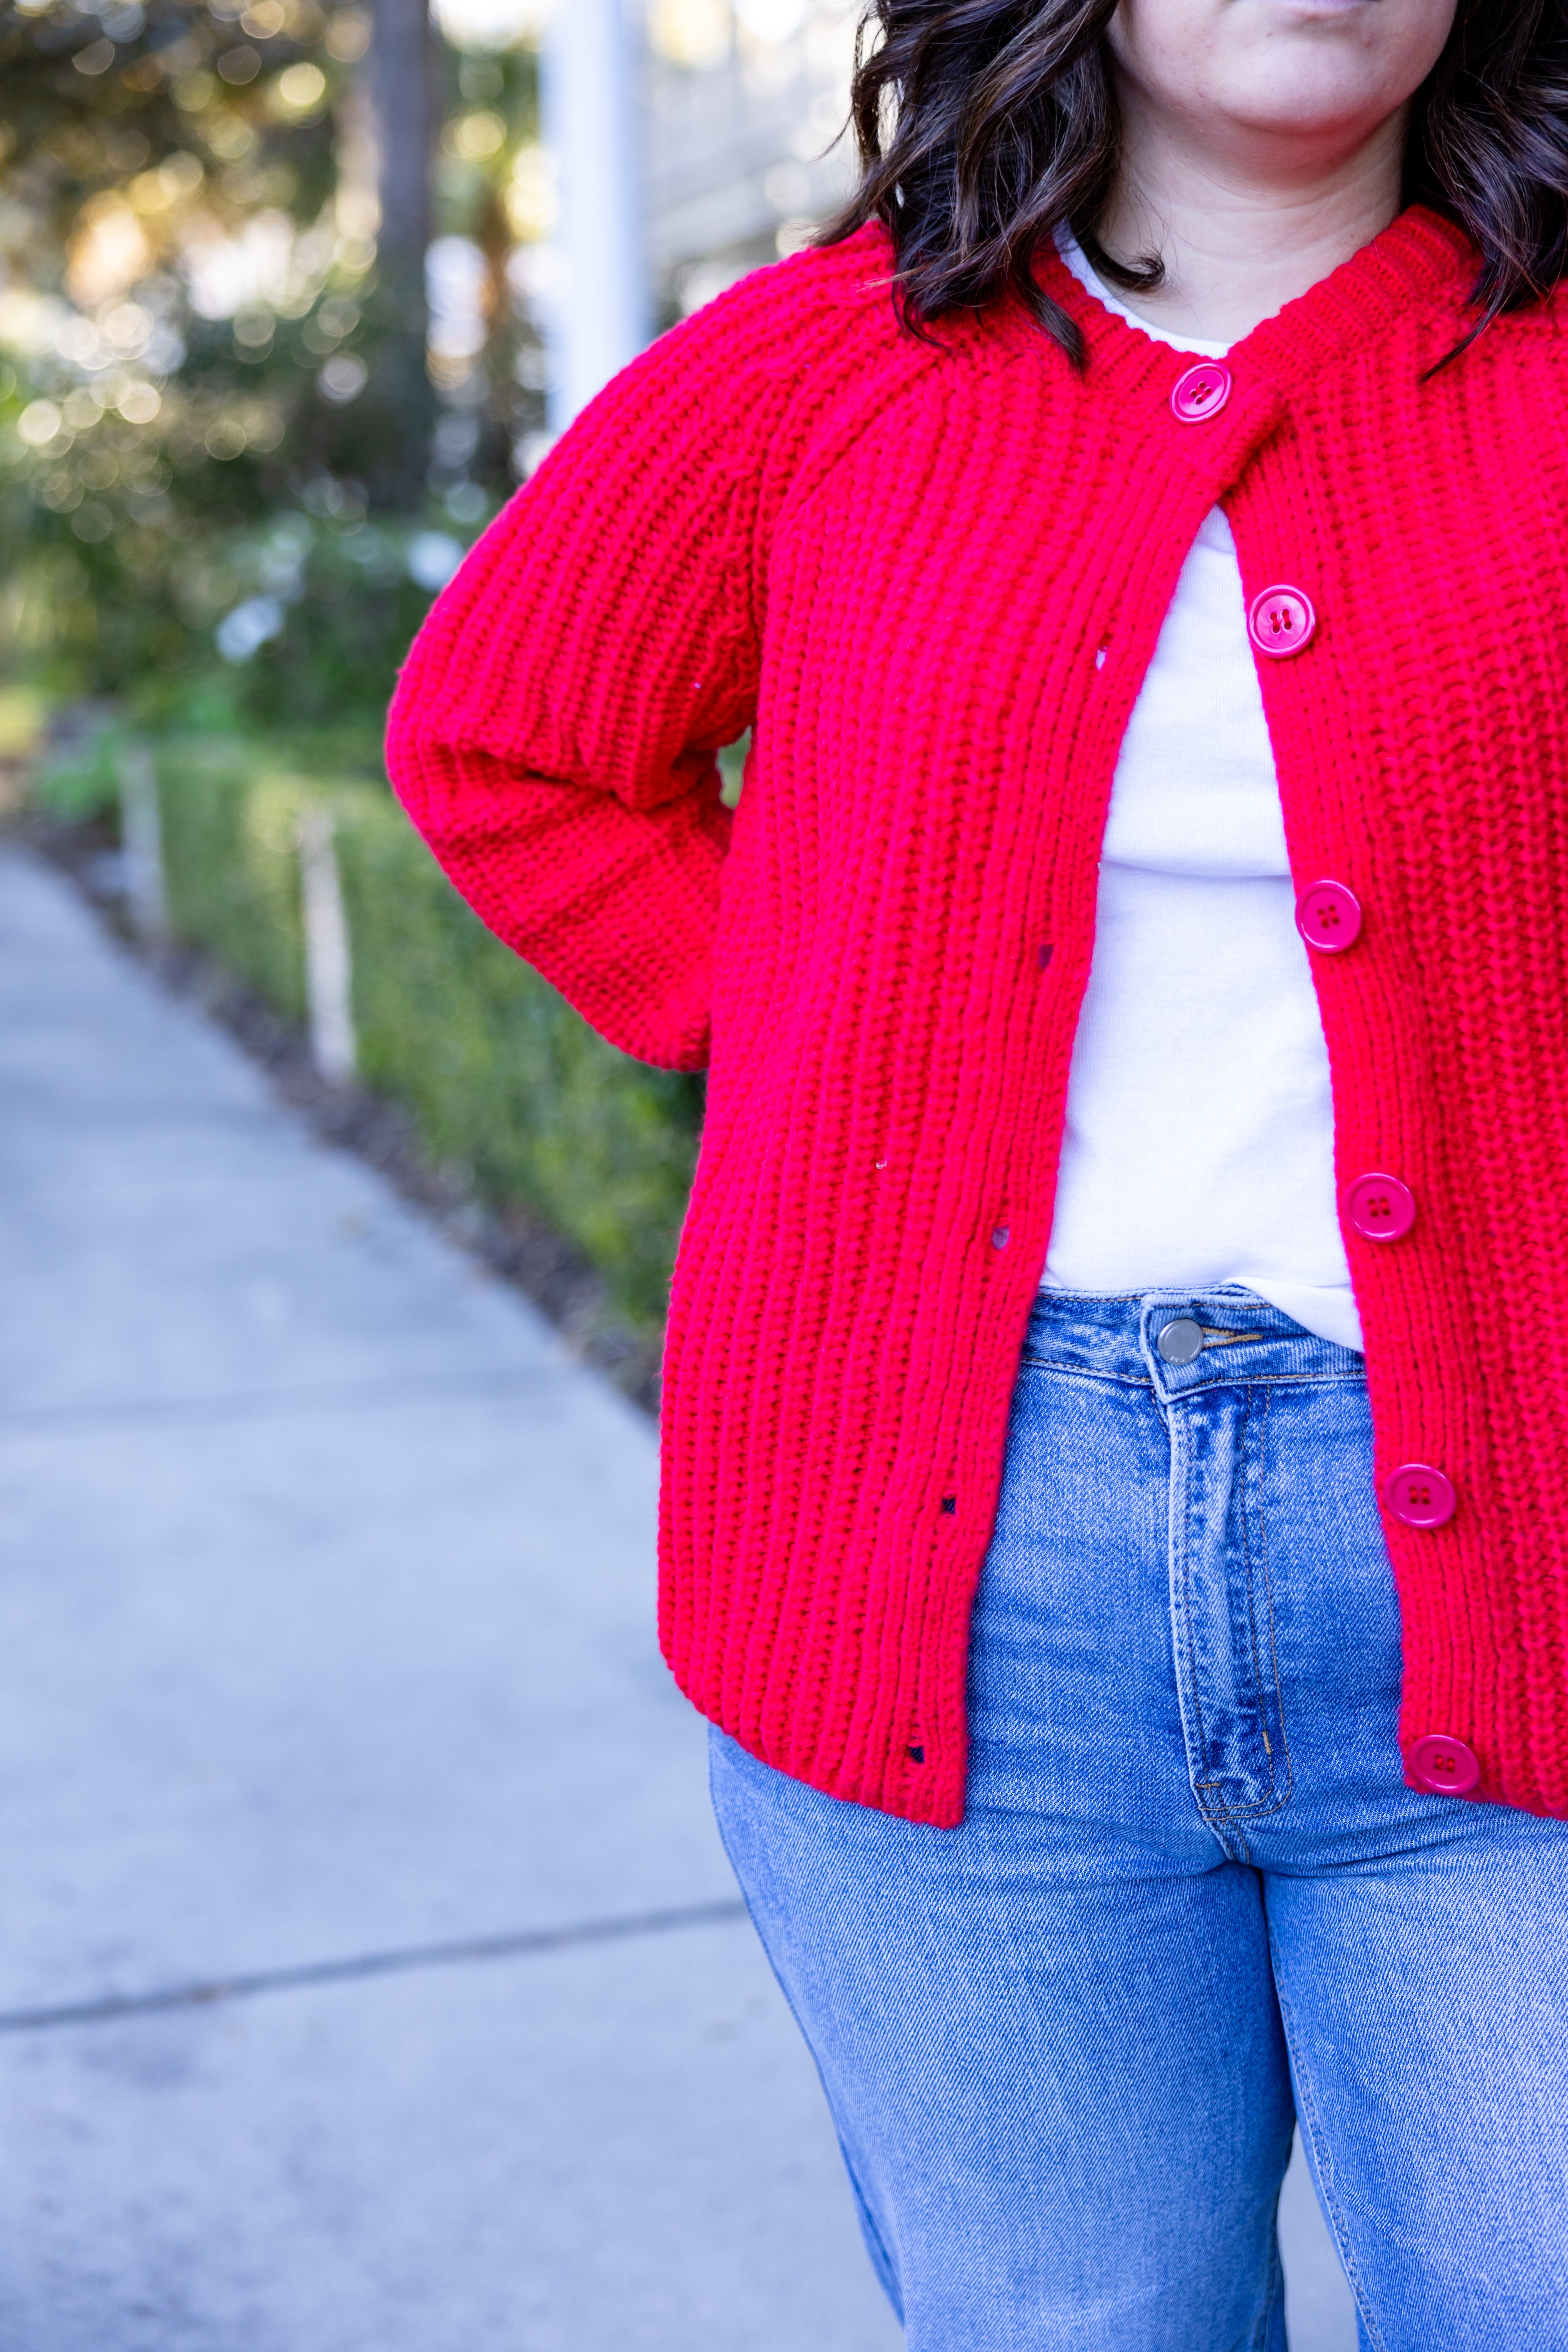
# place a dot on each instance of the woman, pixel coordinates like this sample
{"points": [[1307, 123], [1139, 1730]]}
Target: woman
{"points": [[1134, 980]]}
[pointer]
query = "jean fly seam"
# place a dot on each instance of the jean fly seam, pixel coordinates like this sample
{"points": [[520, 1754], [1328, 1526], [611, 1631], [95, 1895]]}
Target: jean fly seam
{"points": [[1310, 2120], [1284, 1728], [1188, 1693], [1259, 1683], [1213, 1817], [1278, 1798], [1187, 1647]]}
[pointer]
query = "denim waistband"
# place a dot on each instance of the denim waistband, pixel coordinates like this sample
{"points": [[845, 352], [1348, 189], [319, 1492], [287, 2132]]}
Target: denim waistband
{"points": [[1241, 1338]]}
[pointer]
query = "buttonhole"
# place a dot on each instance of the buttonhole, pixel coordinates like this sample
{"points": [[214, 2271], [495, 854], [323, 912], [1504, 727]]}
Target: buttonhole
{"points": [[1104, 649], [948, 1506], [999, 1237], [1043, 955], [916, 1755]]}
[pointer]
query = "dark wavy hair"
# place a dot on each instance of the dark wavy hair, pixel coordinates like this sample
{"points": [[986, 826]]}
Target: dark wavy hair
{"points": [[985, 125]]}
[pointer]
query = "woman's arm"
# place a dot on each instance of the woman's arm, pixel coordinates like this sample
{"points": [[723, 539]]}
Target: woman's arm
{"points": [[554, 732]]}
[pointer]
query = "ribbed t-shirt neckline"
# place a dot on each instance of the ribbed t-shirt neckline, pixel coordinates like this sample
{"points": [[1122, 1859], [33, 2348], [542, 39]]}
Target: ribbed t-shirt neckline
{"points": [[1088, 278]]}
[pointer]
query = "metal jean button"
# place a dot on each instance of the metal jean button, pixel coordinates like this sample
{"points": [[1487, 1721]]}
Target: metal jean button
{"points": [[1184, 1339], [1182, 1342]]}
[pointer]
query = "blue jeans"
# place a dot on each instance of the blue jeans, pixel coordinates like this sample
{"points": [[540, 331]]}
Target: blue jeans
{"points": [[1192, 1898]]}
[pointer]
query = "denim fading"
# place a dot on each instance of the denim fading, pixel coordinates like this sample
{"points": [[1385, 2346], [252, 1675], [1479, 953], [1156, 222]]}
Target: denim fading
{"points": [[1064, 2044]]}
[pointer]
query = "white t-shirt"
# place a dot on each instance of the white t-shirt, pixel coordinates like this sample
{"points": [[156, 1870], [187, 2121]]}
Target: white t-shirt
{"points": [[1199, 1146]]}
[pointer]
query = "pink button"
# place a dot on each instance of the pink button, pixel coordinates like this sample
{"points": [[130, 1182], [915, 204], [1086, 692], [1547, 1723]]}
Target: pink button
{"points": [[1202, 392], [1280, 621], [1443, 1766], [1380, 1208], [1328, 917], [1419, 1496]]}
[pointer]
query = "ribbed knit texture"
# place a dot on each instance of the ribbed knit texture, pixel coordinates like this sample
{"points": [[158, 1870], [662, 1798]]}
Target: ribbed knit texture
{"points": [[900, 564]]}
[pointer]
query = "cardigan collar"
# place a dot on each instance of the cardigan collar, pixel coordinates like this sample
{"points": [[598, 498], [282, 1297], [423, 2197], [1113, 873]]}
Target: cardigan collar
{"points": [[1419, 263]]}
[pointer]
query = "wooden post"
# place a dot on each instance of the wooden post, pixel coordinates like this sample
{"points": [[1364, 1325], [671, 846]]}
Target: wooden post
{"points": [[328, 969], [142, 841]]}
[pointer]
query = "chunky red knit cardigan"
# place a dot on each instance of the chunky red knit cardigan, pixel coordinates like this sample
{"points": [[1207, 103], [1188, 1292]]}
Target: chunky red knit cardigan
{"points": [[931, 579]]}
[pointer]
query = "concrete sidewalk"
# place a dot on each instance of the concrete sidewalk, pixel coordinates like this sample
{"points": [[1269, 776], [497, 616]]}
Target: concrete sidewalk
{"points": [[372, 1979]]}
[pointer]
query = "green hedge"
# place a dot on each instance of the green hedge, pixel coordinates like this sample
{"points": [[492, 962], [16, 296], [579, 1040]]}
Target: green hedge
{"points": [[231, 866], [503, 1079]]}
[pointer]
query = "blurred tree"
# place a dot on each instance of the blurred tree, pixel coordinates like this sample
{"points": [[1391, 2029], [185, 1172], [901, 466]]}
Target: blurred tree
{"points": [[494, 204], [217, 431], [399, 91]]}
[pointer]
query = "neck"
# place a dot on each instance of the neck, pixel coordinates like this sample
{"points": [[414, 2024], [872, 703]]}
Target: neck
{"points": [[1241, 232]]}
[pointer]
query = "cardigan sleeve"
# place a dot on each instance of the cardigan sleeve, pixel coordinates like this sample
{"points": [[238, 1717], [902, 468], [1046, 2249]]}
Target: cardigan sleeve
{"points": [[554, 730]]}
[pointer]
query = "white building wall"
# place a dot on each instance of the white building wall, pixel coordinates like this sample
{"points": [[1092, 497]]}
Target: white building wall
{"points": [[599, 315], [691, 140], [738, 106]]}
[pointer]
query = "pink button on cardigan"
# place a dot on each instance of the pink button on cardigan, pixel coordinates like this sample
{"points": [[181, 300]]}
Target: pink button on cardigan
{"points": [[931, 579]]}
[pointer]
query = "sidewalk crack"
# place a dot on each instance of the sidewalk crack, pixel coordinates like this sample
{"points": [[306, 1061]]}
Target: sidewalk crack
{"points": [[400, 1961]]}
